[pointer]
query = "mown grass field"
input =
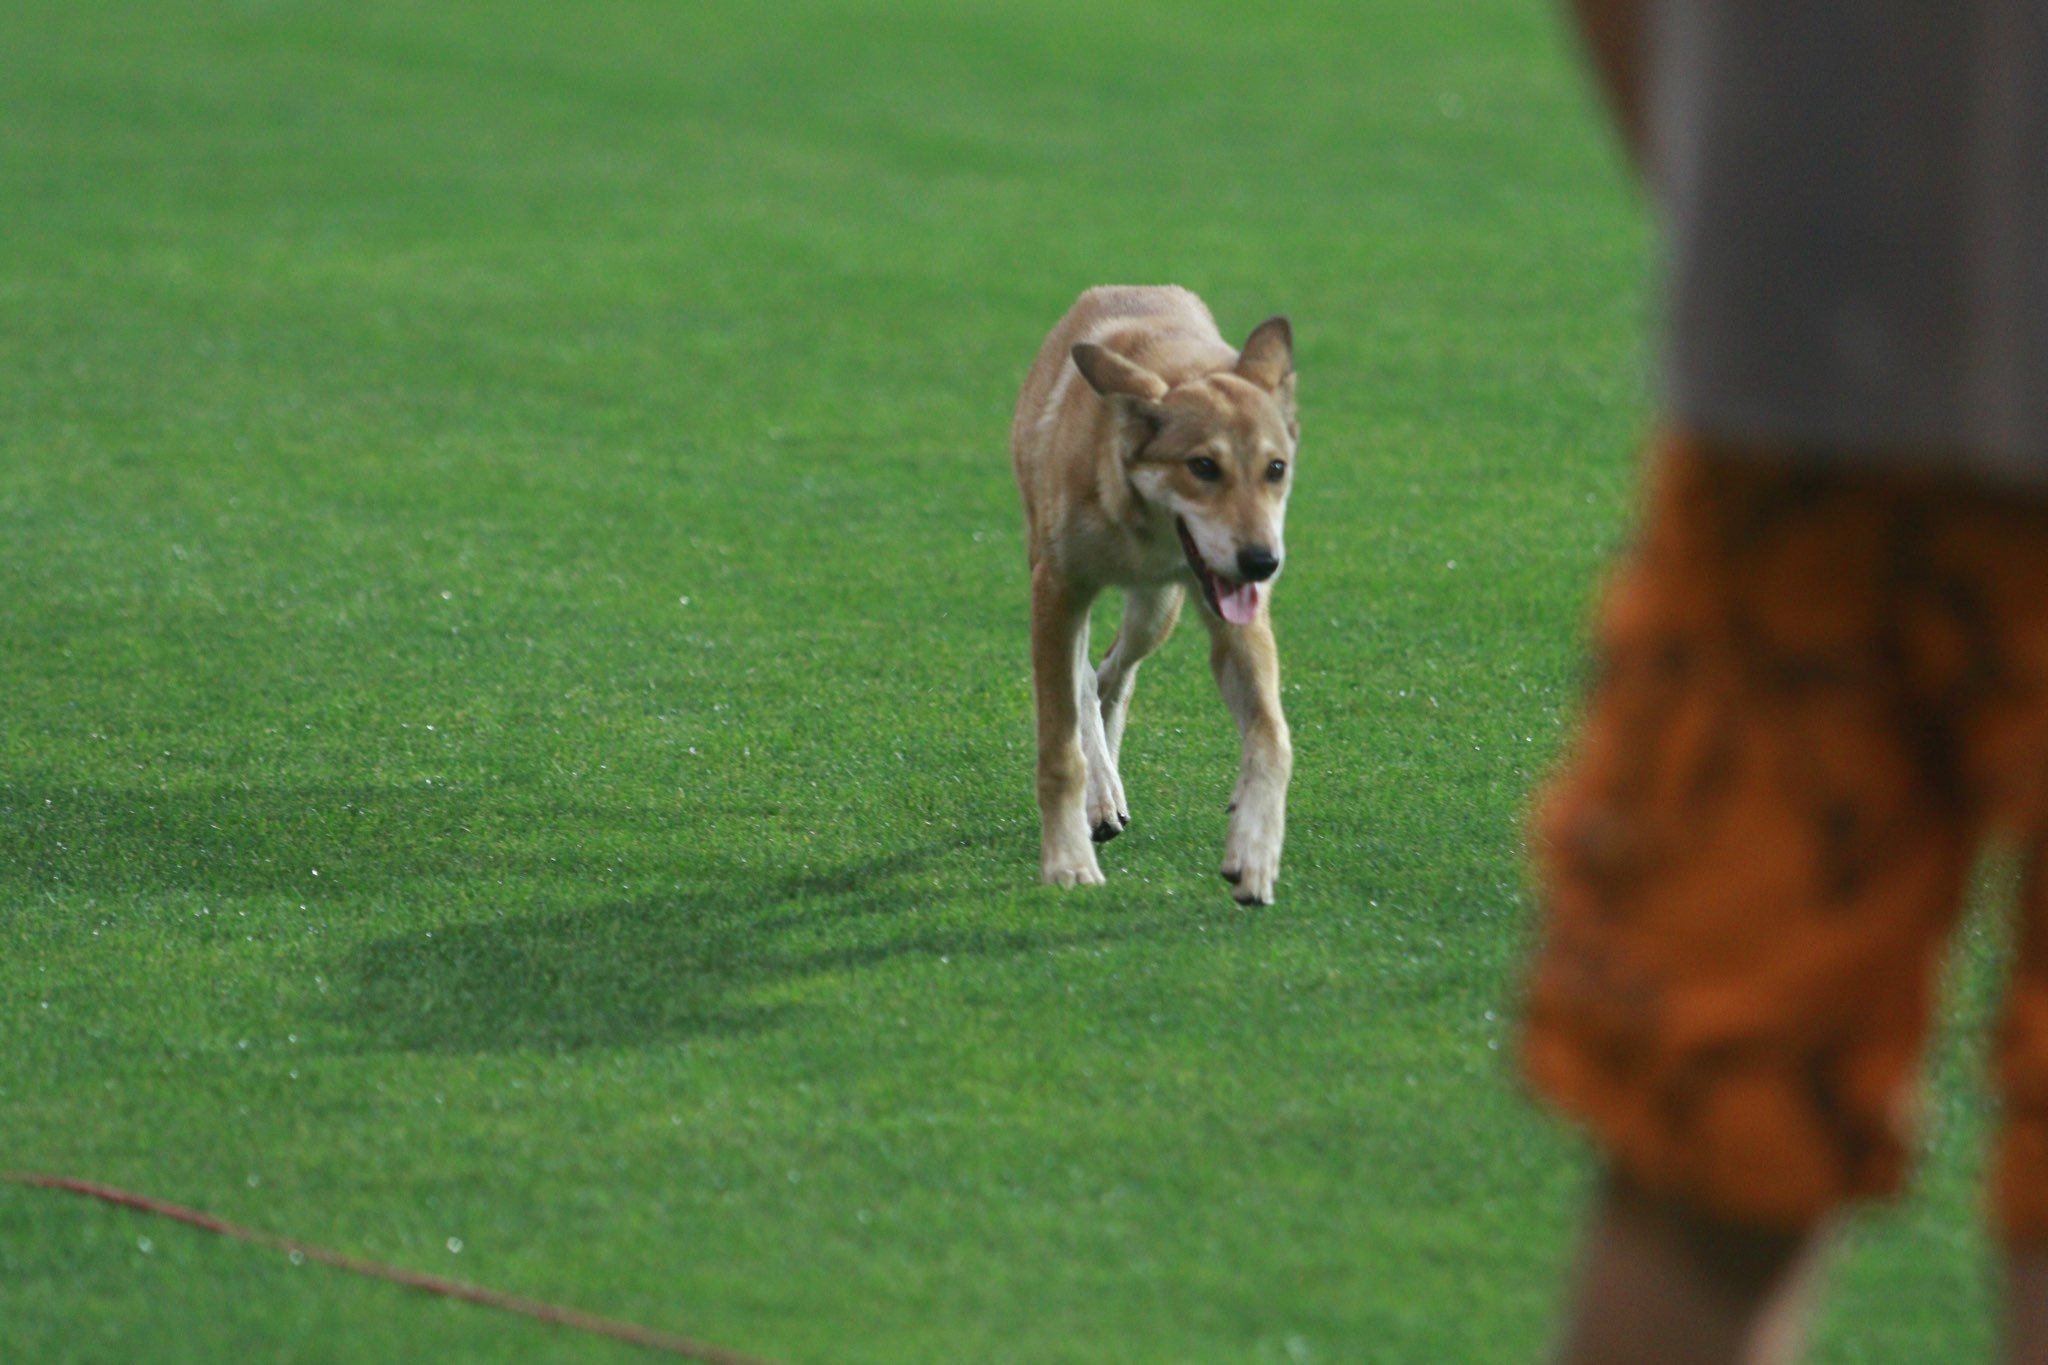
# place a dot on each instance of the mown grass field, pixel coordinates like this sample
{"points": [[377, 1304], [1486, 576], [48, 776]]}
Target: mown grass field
{"points": [[516, 725]]}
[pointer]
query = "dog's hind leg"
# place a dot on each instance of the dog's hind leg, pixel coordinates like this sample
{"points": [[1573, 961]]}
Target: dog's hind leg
{"points": [[1103, 799], [1059, 661], [1149, 616], [1247, 669]]}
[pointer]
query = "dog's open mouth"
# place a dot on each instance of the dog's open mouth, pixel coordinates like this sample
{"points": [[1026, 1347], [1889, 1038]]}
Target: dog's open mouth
{"points": [[1237, 603]]}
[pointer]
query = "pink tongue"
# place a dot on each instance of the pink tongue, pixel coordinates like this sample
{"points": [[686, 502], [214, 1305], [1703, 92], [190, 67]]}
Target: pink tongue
{"points": [[1239, 605]]}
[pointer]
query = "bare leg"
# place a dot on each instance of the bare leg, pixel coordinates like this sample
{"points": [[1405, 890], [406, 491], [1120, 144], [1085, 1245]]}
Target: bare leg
{"points": [[1059, 653], [1660, 1281], [1247, 670], [2026, 1306], [1149, 616]]}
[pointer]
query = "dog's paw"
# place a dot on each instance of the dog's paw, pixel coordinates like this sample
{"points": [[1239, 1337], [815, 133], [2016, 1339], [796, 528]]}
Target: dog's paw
{"points": [[1251, 885], [1108, 814], [1070, 860], [1074, 874], [1251, 860]]}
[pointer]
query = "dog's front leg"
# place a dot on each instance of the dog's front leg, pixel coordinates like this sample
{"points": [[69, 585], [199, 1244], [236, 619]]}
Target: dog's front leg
{"points": [[1059, 634], [1247, 669]]}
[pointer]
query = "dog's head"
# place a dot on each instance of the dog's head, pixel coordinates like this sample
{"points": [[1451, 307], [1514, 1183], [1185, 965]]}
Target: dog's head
{"points": [[1217, 453]]}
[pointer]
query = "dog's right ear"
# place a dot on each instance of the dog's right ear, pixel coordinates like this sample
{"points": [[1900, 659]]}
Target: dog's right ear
{"points": [[1112, 376], [1127, 386]]}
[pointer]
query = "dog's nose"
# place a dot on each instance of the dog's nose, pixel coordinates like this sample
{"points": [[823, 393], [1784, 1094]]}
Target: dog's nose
{"points": [[1257, 563]]}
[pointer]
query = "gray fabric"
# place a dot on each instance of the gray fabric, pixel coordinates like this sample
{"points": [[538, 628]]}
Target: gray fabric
{"points": [[1856, 199]]}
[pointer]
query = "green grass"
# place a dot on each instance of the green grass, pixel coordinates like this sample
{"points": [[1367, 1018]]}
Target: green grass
{"points": [[516, 700]]}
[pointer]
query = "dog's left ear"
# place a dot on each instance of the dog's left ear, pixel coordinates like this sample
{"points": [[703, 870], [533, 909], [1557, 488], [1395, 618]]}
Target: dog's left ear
{"points": [[1268, 361], [1268, 355]]}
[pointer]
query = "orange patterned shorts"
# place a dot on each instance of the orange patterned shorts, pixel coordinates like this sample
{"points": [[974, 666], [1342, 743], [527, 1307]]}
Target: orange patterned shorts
{"points": [[1819, 692]]}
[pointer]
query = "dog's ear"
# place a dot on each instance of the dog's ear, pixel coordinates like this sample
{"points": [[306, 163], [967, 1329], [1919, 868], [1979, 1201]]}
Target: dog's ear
{"points": [[1112, 376], [1268, 355], [1128, 387], [1268, 361]]}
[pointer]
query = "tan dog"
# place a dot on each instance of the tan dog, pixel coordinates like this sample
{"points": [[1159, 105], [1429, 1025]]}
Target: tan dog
{"points": [[1152, 457]]}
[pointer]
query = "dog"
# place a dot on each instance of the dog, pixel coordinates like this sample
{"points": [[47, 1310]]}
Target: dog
{"points": [[1154, 458]]}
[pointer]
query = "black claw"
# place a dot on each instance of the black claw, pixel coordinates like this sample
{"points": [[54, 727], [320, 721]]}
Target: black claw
{"points": [[1232, 875], [1107, 830], [1124, 820], [1251, 900]]}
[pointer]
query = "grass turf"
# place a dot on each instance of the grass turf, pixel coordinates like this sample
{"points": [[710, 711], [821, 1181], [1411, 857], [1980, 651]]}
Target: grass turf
{"points": [[517, 724]]}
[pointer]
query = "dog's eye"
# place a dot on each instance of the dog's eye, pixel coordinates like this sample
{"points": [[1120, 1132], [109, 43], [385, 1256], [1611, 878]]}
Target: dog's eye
{"points": [[1205, 469], [1276, 471]]}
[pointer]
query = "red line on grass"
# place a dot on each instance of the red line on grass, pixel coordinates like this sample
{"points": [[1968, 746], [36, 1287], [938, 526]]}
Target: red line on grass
{"points": [[561, 1315]]}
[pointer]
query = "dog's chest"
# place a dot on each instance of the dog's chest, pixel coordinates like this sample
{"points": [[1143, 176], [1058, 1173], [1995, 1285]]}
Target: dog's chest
{"points": [[1143, 552]]}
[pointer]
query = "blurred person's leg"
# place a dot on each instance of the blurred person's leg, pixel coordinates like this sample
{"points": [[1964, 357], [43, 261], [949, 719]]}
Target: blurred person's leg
{"points": [[1659, 1281], [2021, 1184], [1752, 861], [1817, 691], [2026, 1297], [1754, 852]]}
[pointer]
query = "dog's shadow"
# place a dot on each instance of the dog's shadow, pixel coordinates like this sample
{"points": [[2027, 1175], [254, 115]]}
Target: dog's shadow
{"points": [[563, 970], [661, 969]]}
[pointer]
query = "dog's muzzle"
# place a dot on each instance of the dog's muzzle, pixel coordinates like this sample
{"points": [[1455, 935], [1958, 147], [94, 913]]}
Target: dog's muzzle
{"points": [[1236, 600]]}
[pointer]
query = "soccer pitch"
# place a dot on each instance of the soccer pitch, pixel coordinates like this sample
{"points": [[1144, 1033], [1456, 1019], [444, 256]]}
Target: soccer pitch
{"points": [[517, 757]]}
